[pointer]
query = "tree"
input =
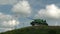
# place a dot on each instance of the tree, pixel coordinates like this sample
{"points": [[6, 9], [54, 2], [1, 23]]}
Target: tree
{"points": [[32, 23], [38, 22]]}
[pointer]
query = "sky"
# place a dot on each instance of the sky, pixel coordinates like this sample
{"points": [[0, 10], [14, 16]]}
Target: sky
{"points": [[16, 13]]}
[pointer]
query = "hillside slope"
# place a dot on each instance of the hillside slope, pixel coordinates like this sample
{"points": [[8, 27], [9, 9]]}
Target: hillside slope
{"points": [[36, 30]]}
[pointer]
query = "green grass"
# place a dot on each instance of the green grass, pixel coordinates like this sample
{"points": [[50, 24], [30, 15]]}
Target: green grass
{"points": [[35, 30]]}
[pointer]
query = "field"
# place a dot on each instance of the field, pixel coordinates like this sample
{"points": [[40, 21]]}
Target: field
{"points": [[35, 30]]}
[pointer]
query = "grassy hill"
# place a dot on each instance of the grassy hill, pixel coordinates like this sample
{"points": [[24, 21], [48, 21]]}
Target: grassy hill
{"points": [[35, 30]]}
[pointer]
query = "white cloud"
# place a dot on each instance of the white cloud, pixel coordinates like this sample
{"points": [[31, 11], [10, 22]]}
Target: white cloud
{"points": [[51, 13], [7, 21], [5, 29], [11, 2], [10, 23], [22, 8], [3, 16], [3, 2]]}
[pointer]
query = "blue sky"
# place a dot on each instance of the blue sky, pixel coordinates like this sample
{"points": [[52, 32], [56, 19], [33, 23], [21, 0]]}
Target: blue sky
{"points": [[16, 12]]}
